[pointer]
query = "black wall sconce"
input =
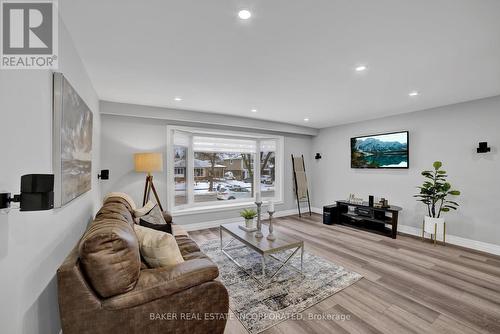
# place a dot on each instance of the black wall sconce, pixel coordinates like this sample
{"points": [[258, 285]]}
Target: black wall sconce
{"points": [[483, 147], [37, 193], [104, 174], [317, 156]]}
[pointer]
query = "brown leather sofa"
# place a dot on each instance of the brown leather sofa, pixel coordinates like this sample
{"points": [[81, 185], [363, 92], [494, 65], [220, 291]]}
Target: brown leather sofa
{"points": [[104, 287]]}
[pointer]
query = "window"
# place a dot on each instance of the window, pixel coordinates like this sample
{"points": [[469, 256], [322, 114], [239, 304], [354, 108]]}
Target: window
{"points": [[217, 169], [267, 168], [180, 152]]}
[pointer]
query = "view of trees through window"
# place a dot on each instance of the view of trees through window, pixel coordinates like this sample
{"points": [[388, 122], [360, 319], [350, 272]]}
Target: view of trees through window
{"points": [[180, 153], [267, 173], [224, 176]]}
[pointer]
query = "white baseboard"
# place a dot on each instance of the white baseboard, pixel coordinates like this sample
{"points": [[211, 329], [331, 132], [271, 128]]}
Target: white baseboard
{"points": [[454, 240], [317, 210]]}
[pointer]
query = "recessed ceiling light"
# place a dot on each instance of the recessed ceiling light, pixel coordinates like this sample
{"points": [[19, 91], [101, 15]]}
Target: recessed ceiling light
{"points": [[360, 68], [414, 93], [253, 110], [244, 14], [177, 98], [306, 119]]}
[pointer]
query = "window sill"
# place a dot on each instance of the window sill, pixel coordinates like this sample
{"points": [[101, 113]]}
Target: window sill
{"points": [[217, 208]]}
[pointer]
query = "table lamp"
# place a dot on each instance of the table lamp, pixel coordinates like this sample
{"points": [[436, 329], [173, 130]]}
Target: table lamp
{"points": [[149, 163]]}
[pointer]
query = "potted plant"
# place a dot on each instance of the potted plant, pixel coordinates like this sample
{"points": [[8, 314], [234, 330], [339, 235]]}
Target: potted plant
{"points": [[249, 215], [434, 193]]}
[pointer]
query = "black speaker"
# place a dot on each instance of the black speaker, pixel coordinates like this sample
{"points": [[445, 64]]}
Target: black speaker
{"points": [[370, 200], [104, 174], [5, 200], [483, 147], [37, 192], [37, 201], [37, 183], [330, 214]]}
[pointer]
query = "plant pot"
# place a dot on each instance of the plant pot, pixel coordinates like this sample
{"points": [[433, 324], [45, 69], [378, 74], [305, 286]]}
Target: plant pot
{"points": [[434, 226], [249, 223]]}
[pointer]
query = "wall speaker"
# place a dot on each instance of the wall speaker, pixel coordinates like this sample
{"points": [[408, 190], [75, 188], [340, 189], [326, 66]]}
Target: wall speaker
{"points": [[104, 174], [483, 147], [37, 193]]}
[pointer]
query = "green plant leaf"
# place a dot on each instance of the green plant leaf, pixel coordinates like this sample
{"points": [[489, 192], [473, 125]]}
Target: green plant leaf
{"points": [[454, 192], [437, 165]]}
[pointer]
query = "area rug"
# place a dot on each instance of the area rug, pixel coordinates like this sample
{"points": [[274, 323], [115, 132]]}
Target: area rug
{"points": [[260, 307]]}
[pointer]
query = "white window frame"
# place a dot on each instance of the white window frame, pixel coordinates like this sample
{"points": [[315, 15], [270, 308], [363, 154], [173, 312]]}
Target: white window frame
{"points": [[219, 205]]}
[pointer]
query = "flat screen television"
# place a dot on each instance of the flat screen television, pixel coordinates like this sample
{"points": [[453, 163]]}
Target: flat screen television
{"points": [[388, 150]]}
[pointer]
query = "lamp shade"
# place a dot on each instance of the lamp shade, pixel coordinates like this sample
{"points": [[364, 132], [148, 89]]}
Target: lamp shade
{"points": [[148, 162]]}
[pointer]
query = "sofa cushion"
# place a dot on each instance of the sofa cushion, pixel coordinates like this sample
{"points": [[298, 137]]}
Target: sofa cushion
{"points": [[195, 255], [186, 245], [159, 249], [160, 282], [115, 209], [178, 230], [109, 256]]}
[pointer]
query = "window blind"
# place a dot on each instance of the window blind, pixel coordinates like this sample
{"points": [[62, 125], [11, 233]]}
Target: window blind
{"points": [[221, 144]]}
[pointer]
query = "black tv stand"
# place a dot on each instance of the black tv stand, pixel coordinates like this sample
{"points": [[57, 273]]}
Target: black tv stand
{"points": [[373, 219]]}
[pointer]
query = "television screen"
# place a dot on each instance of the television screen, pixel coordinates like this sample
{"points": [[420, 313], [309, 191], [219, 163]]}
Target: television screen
{"points": [[388, 150]]}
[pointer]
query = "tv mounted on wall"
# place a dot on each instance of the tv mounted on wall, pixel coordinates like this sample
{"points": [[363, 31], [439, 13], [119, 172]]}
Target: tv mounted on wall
{"points": [[388, 150]]}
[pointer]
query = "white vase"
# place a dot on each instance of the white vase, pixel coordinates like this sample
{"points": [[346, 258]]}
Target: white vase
{"points": [[434, 226], [249, 223]]}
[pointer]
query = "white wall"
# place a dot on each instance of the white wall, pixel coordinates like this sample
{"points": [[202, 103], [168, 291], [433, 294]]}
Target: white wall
{"points": [[122, 136], [34, 244], [449, 134]]}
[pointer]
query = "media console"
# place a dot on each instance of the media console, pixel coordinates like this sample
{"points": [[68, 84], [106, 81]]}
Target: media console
{"points": [[367, 217]]}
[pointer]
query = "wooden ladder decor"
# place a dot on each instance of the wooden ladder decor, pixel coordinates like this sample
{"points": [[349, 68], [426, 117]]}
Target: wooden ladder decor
{"points": [[300, 179]]}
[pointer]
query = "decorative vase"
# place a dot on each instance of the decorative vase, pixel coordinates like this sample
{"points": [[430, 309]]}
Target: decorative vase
{"points": [[436, 227], [249, 223], [271, 235], [258, 202]]}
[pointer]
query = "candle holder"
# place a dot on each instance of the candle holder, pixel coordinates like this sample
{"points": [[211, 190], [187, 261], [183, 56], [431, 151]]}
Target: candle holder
{"points": [[259, 234], [271, 236]]}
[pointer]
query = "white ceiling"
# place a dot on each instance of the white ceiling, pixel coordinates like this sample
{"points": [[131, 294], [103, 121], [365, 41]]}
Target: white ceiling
{"points": [[293, 59]]}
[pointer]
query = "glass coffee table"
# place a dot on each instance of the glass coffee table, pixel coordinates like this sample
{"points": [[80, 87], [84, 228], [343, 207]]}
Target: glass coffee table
{"points": [[263, 247]]}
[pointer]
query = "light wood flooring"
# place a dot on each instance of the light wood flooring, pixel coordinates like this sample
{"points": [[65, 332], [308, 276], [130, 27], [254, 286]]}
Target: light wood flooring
{"points": [[409, 286]]}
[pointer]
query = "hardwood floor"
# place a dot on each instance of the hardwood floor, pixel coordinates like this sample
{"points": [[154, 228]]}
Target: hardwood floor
{"points": [[409, 286]]}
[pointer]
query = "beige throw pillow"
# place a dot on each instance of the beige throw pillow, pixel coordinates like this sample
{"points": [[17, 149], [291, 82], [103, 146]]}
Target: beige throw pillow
{"points": [[144, 210], [159, 249]]}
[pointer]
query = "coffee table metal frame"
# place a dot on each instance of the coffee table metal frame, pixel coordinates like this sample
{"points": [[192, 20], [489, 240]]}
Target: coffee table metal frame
{"points": [[296, 245]]}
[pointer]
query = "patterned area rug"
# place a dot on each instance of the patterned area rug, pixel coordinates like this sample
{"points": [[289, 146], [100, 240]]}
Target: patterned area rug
{"points": [[290, 293]]}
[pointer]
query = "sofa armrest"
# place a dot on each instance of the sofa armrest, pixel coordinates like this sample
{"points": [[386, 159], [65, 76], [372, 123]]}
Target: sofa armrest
{"points": [[167, 216], [161, 282]]}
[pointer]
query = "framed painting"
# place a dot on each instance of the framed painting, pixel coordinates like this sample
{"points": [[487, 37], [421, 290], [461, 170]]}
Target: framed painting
{"points": [[72, 142]]}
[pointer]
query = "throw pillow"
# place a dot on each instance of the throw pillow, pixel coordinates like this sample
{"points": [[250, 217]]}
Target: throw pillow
{"points": [[159, 249], [154, 219], [144, 210]]}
